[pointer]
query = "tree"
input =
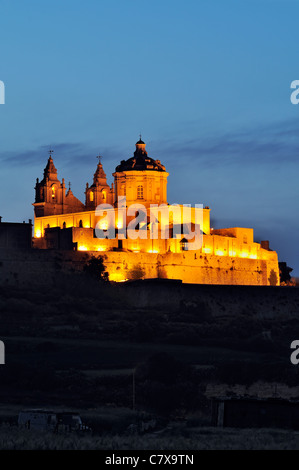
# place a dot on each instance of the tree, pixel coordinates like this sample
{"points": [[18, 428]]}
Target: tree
{"points": [[96, 269], [284, 274]]}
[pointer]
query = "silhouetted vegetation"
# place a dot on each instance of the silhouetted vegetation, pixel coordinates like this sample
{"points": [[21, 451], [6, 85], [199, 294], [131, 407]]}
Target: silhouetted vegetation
{"points": [[284, 274], [95, 268]]}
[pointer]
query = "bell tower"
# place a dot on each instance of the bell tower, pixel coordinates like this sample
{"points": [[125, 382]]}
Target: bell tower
{"points": [[49, 192], [99, 192]]}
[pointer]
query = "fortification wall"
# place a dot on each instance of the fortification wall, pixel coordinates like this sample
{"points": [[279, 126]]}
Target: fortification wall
{"points": [[37, 267], [40, 266], [193, 268], [210, 269]]}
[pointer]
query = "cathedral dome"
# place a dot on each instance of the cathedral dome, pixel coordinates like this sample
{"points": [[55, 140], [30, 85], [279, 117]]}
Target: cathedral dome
{"points": [[140, 161]]}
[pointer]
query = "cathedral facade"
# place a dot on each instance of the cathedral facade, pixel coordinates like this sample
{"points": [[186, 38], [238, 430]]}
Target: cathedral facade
{"points": [[139, 234]]}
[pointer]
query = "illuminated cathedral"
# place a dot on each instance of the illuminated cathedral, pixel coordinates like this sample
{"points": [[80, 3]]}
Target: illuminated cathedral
{"points": [[224, 256]]}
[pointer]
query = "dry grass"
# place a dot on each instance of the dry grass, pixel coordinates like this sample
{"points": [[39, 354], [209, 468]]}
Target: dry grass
{"points": [[11, 438]]}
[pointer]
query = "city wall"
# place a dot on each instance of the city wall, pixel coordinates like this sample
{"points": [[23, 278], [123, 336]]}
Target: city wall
{"points": [[40, 266]]}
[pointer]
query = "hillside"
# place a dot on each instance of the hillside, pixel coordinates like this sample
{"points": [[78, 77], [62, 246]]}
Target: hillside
{"points": [[82, 343]]}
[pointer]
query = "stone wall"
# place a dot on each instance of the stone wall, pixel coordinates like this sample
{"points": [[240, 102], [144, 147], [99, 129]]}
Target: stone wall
{"points": [[210, 269], [39, 266], [194, 268]]}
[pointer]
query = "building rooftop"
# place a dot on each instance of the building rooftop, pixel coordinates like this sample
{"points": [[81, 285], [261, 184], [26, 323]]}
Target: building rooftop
{"points": [[140, 161]]}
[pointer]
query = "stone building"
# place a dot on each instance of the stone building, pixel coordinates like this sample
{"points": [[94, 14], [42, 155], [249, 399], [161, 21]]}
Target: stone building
{"points": [[165, 241]]}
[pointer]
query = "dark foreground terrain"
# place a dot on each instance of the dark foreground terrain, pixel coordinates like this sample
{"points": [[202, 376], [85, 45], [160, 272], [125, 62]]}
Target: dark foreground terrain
{"points": [[142, 373]]}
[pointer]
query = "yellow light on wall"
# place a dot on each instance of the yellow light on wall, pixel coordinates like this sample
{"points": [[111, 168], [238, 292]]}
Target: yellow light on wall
{"points": [[207, 250], [101, 248], [82, 248], [119, 224], [243, 254], [153, 251], [38, 234], [117, 277], [253, 256], [232, 253], [219, 253]]}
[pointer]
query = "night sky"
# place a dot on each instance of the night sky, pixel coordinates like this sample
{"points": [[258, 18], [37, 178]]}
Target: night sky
{"points": [[206, 83]]}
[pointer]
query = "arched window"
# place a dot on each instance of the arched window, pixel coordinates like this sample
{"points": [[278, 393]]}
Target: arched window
{"points": [[53, 192], [104, 195], [140, 192], [184, 244], [91, 196], [80, 224]]}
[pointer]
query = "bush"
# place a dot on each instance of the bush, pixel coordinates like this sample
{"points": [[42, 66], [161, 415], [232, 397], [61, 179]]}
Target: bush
{"points": [[95, 268]]}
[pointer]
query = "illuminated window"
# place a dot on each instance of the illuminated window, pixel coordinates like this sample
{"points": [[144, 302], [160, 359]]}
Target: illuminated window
{"points": [[104, 194], [184, 244], [91, 196], [53, 192], [140, 192]]}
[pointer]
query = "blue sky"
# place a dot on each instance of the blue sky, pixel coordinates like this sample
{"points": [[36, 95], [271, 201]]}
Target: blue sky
{"points": [[206, 82]]}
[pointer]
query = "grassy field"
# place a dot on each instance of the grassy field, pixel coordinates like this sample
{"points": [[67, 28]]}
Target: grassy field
{"points": [[175, 439]]}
